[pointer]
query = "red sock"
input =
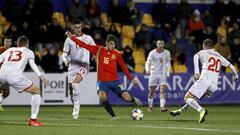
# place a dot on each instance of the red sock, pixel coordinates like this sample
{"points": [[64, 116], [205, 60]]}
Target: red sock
{"points": [[33, 119]]}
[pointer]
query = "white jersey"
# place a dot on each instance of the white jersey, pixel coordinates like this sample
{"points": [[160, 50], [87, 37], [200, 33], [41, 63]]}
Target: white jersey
{"points": [[158, 63], [14, 60], [211, 62], [76, 53]]}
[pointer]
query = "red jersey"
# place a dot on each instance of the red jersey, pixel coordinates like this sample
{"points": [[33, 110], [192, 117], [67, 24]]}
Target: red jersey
{"points": [[106, 61]]}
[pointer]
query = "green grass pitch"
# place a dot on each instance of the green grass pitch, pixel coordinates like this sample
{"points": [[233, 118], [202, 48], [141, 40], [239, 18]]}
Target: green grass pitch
{"points": [[93, 120]]}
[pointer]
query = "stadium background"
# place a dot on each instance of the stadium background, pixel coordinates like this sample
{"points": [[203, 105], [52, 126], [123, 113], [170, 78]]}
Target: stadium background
{"points": [[139, 24]]}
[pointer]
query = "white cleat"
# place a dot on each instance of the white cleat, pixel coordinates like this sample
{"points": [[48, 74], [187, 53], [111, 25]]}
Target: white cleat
{"points": [[75, 113]]}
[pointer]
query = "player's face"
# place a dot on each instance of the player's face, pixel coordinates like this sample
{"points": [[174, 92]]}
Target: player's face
{"points": [[160, 45], [110, 45], [7, 43], [77, 28]]}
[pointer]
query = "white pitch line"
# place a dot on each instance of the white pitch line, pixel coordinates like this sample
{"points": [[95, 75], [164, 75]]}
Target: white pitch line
{"points": [[134, 126]]}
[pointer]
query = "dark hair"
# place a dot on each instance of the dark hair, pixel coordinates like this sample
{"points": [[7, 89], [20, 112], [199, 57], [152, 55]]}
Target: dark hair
{"points": [[111, 37], [6, 37], [22, 40], [76, 21], [208, 43]]}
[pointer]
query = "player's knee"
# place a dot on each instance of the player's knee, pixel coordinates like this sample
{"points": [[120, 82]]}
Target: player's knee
{"points": [[102, 95], [126, 97], [187, 95], [77, 78], [34, 90]]}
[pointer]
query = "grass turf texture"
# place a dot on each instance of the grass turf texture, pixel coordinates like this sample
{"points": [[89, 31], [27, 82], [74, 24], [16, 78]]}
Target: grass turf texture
{"points": [[224, 120]]}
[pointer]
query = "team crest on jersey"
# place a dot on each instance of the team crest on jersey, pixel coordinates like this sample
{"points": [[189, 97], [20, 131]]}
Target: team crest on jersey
{"points": [[113, 56]]}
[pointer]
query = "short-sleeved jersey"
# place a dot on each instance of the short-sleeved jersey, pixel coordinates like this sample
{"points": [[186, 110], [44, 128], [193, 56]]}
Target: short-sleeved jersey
{"points": [[158, 63], [211, 62], [14, 60], [76, 53]]}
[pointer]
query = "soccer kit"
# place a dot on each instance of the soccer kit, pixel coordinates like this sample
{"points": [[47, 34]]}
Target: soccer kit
{"points": [[14, 61], [158, 64], [107, 77], [77, 56], [211, 62]]}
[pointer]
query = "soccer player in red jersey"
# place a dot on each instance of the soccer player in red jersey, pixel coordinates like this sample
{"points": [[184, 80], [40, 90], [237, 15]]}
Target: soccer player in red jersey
{"points": [[107, 79], [4, 89]]}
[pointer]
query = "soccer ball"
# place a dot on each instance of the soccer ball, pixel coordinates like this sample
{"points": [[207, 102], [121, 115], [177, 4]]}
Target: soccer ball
{"points": [[137, 114]]}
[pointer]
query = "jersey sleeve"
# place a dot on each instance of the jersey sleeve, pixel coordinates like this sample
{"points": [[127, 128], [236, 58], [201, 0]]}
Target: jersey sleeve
{"points": [[196, 63], [66, 47], [124, 67], [31, 55], [92, 49], [168, 63], [148, 62], [225, 62], [91, 41]]}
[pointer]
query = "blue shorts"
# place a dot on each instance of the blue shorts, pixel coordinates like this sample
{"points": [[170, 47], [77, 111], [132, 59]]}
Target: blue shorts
{"points": [[114, 86]]}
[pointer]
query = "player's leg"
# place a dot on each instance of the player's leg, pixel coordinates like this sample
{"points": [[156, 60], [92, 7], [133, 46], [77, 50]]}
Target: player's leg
{"points": [[1, 100], [192, 102], [117, 87], [150, 98], [23, 84], [196, 92], [76, 95], [4, 92], [104, 101], [163, 98], [152, 83], [35, 105], [179, 111], [129, 98], [103, 89]]}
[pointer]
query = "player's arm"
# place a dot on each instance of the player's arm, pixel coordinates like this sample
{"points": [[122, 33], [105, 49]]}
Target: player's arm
{"points": [[66, 50], [226, 63], [91, 48], [196, 66], [148, 63], [124, 67], [168, 64], [36, 70]]}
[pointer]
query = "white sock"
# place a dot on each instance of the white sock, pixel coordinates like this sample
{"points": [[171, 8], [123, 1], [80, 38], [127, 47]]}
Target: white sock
{"points": [[185, 107], [76, 95], [1, 98], [194, 104], [150, 102], [162, 102], [35, 104]]}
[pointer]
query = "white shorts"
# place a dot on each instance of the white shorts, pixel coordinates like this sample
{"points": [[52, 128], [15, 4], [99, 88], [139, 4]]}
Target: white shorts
{"points": [[200, 87], [19, 82], [159, 79], [75, 69]]}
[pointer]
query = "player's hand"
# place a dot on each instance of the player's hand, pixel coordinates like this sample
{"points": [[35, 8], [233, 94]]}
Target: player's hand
{"points": [[45, 81], [66, 63], [135, 82], [236, 77], [196, 76], [68, 34]]}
